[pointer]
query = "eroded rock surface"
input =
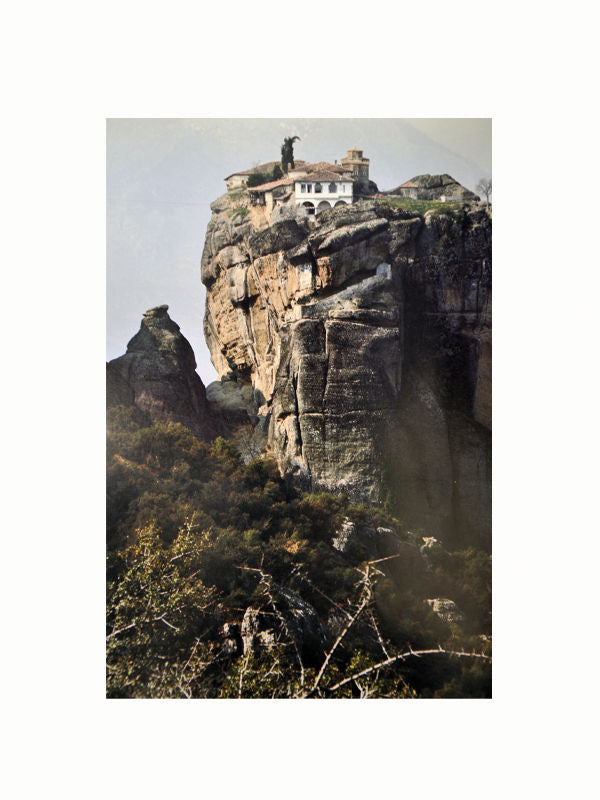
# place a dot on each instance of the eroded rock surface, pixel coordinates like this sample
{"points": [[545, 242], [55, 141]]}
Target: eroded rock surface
{"points": [[158, 375], [365, 334]]}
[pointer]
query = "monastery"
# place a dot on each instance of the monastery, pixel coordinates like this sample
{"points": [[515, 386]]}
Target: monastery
{"points": [[314, 187]]}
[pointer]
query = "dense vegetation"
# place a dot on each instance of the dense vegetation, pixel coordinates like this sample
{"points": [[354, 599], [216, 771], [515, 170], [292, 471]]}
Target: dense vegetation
{"points": [[196, 538], [258, 178]]}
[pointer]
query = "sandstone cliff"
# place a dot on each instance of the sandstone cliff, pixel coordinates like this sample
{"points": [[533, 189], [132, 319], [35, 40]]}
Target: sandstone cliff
{"points": [[365, 334], [157, 374]]}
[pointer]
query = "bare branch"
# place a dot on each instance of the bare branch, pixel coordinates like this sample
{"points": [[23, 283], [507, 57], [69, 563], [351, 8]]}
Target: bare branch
{"points": [[265, 581], [162, 619], [403, 657], [307, 580], [366, 595], [121, 630], [379, 636], [266, 675], [242, 671]]}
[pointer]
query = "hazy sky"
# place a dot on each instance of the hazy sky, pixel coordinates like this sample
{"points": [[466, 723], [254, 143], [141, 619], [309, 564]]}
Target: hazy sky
{"points": [[162, 175]]}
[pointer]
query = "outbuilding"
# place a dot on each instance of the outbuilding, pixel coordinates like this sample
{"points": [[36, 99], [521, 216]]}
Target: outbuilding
{"points": [[410, 189], [268, 193]]}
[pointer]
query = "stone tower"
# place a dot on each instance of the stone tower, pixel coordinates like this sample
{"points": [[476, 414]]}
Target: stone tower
{"points": [[355, 163]]}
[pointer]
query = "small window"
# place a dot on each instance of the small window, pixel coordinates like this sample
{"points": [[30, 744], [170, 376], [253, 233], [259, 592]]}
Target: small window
{"points": [[332, 188], [303, 187], [309, 187], [318, 187]]}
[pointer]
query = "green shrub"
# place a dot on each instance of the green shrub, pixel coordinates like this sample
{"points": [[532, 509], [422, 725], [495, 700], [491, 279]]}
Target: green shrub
{"points": [[190, 525], [258, 178]]}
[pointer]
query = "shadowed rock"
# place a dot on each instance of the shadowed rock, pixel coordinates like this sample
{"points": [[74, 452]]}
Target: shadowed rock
{"points": [[158, 375]]}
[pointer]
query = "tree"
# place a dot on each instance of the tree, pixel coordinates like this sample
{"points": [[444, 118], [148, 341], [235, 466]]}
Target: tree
{"points": [[258, 178], [287, 152], [157, 612], [202, 543], [485, 187], [247, 443]]}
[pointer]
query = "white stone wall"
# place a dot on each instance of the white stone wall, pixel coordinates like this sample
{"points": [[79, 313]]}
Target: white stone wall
{"points": [[235, 181], [343, 192]]}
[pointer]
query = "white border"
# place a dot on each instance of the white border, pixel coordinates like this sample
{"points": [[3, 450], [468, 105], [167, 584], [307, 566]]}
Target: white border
{"points": [[71, 65]]}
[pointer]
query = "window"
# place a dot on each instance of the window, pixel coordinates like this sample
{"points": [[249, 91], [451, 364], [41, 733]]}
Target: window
{"points": [[318, 187], [303, 187], [309, 187], [332, 188]]}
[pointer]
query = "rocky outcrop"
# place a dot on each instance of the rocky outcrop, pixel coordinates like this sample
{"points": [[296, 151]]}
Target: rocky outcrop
{"points": [[346, 534], [258, 630], [296, 622], [438, 187], [158, 375], [378, 543], [232, 402], [446, 609], [365, 335], [232, 644]]}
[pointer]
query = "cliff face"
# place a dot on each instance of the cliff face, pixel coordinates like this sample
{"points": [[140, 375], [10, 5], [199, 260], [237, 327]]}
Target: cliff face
{"points": [[365, 333], [157, 374]]}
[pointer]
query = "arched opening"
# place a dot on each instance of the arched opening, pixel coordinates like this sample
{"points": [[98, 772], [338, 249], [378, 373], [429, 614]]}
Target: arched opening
{"points": [[340, 203], [318, 188], [310, 207], [332, 188], [323, 206]]}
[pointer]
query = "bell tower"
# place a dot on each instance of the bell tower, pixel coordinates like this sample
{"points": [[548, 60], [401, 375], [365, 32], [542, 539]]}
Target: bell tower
{"points": [[355, 163]]}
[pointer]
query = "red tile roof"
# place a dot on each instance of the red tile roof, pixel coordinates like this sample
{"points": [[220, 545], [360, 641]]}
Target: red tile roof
{"points": [[324, 176], [265, 187], [268, 167], [320, 166]]}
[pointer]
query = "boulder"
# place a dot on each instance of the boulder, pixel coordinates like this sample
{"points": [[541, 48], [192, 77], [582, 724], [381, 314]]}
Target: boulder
{"points": [[232, 400], [232, 641], [446, 609], [295, 618], [303, 624], [344, 535], [258, 631]]}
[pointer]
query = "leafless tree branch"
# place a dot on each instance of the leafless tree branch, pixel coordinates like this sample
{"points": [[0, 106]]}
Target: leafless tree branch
{"points": [[121, 630], [366, 595], [266, 582], [377, 631], [306, 579], [403, 657], [243, 669]]}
